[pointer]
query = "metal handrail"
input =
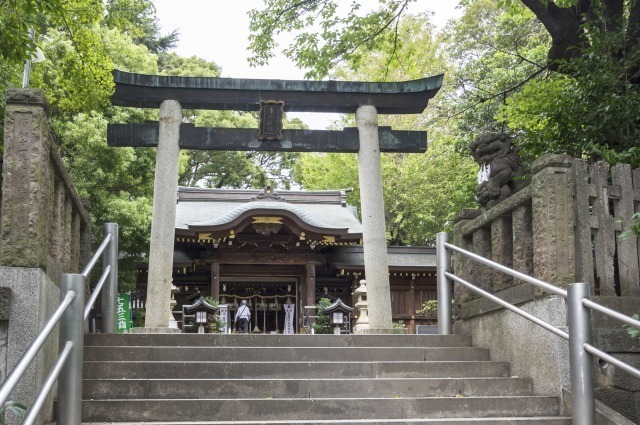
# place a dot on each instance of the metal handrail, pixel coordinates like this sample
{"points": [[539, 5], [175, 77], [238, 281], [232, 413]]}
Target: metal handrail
{"points": [[70, 316], [579, 317], [97, 255], [96, 291], [510, 306], [18, 371], [518, 275], [34, 411], [612, 313]]}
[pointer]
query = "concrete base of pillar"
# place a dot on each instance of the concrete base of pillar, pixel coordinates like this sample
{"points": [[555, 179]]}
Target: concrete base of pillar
{"points": [[392, 331], [34, 298]]}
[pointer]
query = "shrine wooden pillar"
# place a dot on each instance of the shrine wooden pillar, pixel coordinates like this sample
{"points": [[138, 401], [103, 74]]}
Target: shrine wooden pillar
{"points": [[215, 281], [311, 284]]}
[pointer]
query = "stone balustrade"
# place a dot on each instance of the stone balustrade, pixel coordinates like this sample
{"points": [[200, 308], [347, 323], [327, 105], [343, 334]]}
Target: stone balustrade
{"points": [[44, 223]]}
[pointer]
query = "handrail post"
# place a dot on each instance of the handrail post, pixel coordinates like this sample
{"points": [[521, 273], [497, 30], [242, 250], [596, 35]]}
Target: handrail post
{"points": [[71, 329], [581, 362], [443, 265], [110, 290]]}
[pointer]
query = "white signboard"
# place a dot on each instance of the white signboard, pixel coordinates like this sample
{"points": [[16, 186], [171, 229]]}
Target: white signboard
{"points": [[223, 312], [288, 318]]}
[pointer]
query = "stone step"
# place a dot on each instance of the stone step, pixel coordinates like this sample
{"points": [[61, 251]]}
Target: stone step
{"points": [[279, 370], [537, 420], [98, 389], [317, 409], [303, 379], [300, 354], [259, 340]]}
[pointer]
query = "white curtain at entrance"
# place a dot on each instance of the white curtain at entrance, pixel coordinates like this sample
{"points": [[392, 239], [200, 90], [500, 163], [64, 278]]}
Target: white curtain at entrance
{"points": [[288, 318]]}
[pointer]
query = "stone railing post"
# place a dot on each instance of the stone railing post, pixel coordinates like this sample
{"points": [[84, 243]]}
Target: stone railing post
{"points": [[28, 181], [463, 266], [42, 215], [553, 219]]}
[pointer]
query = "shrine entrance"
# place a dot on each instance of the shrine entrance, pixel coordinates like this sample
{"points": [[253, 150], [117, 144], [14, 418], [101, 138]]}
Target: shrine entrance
{"points": [[271, 98], [265, 300]]}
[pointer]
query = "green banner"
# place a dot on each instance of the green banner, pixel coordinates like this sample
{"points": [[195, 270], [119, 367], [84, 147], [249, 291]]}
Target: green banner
{"points": [[123, 314]]}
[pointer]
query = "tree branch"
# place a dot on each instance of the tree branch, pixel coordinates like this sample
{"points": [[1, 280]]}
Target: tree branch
{"points": [[563, 25], [502, 93]]}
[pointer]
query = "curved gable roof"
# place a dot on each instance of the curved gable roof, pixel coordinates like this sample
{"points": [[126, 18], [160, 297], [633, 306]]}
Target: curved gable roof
{"points": [[322, 211], [274, 207]]}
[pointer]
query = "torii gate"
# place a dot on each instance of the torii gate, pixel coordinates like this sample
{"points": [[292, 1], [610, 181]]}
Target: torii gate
{"points": [[271, 98]]}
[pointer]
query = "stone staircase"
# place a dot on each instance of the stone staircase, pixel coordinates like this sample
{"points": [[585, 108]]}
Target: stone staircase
{"points": [[303, 379]]}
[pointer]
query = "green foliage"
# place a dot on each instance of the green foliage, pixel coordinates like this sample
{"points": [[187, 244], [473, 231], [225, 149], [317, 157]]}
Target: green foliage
{"points": [[136, 18], [323, 322], [117, 182], [581, 111], [327, 32], [419, 200], [633, 229], [399, 324], [429, 307], [13, 407], [494, 51], [138, 318], [632, 330], [212, 301], [18, 17]]}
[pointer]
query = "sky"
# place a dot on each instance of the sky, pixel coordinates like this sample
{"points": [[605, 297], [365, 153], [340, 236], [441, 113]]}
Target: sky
{"points": [[218, 31]]}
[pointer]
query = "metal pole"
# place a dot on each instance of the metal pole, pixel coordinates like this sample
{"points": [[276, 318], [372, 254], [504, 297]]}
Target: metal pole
{"points": [[72, 329], [110, 291], [582, 398], [443, 265]]}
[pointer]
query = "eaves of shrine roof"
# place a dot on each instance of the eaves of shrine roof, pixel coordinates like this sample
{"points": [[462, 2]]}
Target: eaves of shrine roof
{"points": [[202, 214], [408, 258], [149, 91]]}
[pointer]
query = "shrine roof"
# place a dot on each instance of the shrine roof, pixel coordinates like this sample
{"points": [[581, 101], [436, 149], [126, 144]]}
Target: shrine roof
{"points": [[200, 209], [149, 91]]}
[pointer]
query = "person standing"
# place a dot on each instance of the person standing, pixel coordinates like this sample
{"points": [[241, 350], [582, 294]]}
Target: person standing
{"points": [[242, 317]]}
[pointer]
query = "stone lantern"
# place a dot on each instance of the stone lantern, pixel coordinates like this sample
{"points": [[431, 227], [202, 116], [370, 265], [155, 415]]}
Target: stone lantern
{"points": [[363, 318], [173, 323]]}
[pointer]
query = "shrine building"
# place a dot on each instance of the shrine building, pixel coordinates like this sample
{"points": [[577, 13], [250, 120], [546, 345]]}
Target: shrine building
{"points": [[274, 248]]}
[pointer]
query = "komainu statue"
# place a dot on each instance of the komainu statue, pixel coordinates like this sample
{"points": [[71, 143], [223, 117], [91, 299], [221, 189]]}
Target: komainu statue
{"points": [[499, 164]]}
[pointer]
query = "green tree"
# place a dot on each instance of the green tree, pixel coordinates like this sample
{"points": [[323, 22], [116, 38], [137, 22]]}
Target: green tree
{"points": [[18, 18], [587, 109], [510, 73], [137, 19], [117, 182], [327, 31]]}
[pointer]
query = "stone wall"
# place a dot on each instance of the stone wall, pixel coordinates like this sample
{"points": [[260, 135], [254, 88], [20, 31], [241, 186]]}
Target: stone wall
{"points": [[562, 228], [43, 222], [44, 231]]}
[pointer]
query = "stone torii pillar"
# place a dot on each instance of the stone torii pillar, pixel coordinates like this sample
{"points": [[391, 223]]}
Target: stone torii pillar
{"points": [[163, 219], [373, 225]]}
